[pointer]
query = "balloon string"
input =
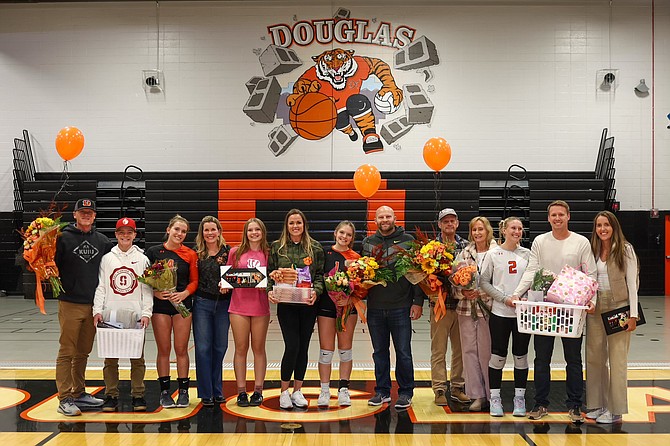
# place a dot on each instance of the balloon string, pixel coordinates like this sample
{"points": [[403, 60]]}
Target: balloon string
{"points": [[437, 189], [64, 177]]}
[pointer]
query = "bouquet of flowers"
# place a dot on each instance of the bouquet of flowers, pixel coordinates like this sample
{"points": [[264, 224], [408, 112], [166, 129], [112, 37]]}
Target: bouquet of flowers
{"points": [[465, 277], [340, 289], [39, 250], [162, 276], [365, 273], [423, 264], [542, 281]]}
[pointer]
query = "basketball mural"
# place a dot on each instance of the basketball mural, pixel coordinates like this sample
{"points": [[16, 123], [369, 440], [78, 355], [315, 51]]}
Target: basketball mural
{"points": [[345, 89], [339, 74]]}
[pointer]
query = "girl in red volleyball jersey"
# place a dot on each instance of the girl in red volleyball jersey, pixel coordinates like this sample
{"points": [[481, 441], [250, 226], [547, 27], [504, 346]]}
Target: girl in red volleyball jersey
{"points": [[340, 253], [166, 320]]}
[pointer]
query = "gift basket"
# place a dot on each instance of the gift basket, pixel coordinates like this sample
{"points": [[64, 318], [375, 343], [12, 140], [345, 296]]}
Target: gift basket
{"points": [[550, 319], [120, 343], [119, 336], [292, 286]]}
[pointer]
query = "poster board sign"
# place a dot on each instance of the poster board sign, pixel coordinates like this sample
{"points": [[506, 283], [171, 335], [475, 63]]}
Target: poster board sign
{"points": [[243, 277]]}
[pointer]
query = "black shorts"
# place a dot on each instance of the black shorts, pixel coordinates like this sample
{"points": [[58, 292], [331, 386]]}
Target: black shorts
{"points": [[326, 307], [165, 307]]}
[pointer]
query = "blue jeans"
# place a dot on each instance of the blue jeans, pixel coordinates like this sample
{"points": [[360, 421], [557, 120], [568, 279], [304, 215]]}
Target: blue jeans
{"points": [[384, 324], [210, 334], [574, 378]]}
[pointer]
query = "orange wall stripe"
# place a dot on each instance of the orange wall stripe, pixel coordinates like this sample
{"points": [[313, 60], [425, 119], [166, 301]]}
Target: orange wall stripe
{"points": [[238, 205], [238, 198], [290, 184], [290, 194]]}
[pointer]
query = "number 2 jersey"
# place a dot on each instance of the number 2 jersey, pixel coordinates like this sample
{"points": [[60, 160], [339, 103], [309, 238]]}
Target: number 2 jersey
{"points": [[503, 270]]}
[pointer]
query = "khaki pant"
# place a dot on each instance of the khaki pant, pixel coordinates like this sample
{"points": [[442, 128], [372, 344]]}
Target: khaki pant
{"points": [[440, 333], [606, 386], [76, 341], [110, 372]]}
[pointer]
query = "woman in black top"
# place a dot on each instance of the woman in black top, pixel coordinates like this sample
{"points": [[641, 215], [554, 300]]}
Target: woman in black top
{"points": [[171, 329], [210, 312], [340, 254]]}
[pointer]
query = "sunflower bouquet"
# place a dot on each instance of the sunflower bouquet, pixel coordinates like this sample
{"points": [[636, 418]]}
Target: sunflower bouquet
{"points": [[162, 276], [39, 250], [427, 263]]}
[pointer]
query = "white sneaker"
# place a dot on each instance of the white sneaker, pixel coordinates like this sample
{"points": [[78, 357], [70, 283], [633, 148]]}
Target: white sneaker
{"points": [[343, 397], [496, 409], [608, 418], [299, 399], [324, 398], [285, 400], [594, 414]]}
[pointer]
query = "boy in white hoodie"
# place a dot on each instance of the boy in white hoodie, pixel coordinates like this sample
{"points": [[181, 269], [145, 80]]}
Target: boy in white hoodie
{"points": [[118, 289]]}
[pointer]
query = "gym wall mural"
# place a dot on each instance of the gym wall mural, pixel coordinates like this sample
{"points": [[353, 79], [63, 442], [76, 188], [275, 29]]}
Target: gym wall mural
{"points": [[362, 80]]}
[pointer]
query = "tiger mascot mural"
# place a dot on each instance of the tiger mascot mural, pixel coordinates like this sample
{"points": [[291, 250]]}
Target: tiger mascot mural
{"points": [[339, 75]]}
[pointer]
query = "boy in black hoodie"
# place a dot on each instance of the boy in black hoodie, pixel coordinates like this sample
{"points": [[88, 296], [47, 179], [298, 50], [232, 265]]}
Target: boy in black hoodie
{"points": [[78, 253], [391, 310]]}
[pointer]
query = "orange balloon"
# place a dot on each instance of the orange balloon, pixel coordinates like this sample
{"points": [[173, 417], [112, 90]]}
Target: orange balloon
{"points": [[367, 180], [437, 153], [69, 143]]}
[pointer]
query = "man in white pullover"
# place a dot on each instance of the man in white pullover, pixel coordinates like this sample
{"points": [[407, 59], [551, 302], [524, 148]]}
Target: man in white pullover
{"points": [[119, 290], [552, 251]]}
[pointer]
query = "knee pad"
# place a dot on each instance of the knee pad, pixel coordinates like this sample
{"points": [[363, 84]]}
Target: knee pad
{"points": [[521, 362], [325, 357], [497, 362], [346, 356]]}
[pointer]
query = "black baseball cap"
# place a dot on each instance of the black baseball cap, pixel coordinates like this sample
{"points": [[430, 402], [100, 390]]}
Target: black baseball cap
{"points": [[84, 203]]}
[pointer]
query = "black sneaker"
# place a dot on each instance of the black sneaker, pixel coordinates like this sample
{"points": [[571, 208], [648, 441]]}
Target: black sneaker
{"points": [[379, 399], [207, 402], [111, 404], [256, 399], [166, 400], [139, 404], [243, 399], [403, 402], [182, 398], [219, 399]]}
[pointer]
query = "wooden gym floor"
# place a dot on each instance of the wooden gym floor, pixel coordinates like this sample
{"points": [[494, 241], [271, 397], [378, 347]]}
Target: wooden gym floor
{"points": [[28, 342]]}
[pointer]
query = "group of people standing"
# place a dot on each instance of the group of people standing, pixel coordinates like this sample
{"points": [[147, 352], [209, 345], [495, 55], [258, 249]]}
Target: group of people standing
{"points": [[480, 322], [99, 277]]}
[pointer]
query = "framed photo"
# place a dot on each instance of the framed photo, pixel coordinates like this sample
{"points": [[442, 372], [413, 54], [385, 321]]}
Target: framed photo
{"points": [[616, 319], [243, 277]]}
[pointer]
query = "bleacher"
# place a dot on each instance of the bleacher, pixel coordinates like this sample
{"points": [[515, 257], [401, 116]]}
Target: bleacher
{"points": [[152, 198]]}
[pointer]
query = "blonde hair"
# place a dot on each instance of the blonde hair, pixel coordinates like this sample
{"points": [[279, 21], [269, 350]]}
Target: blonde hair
{"points": [[176, 219], [285, 238], [245, 246], [200, 244], [487, 225], [503, 225], [560, 203], [353, 231]]}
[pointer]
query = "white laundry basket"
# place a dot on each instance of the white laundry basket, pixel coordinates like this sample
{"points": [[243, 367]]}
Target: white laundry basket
{"points": [[550, 319], [120, 343]]}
